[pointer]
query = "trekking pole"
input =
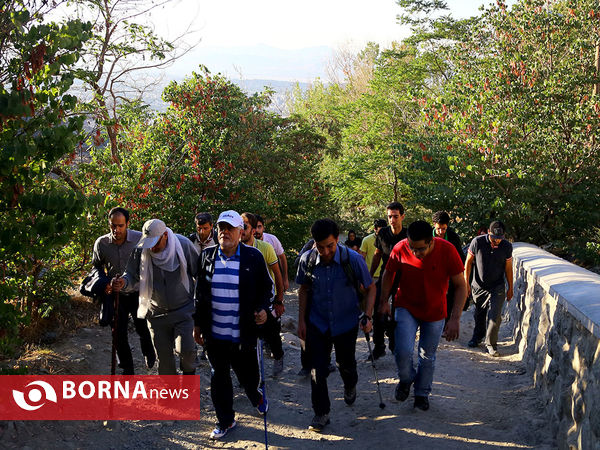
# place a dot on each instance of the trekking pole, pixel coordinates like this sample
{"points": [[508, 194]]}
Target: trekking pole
{"points": [[263, 386], [368, 339], [113, 364]]}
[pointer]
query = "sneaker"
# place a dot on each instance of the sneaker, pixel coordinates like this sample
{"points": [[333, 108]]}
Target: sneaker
{"points": [[402, 391], [150, 360], [220, 432], [319, 422], [277, 367], [492, 351], [377, 353], [421, 402], [473, 343], [304, 372], [263, 406], [350, 395]]}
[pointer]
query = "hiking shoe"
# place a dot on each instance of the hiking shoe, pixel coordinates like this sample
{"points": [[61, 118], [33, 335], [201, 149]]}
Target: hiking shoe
{"points": [[421, 402], [220, 431], [377, 353], [492, 351], [402, 391], [319, 422], [304, 372], [277, 367], [150, 360], [350, 395], [473, 343], [263, 406]]}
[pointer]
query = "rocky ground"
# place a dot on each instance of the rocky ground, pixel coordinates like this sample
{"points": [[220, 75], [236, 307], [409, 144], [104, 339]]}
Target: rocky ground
{"points": [[478, 402]]}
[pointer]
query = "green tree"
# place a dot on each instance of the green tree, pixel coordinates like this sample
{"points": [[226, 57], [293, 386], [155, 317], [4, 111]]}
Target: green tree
{"points": [[215, 148], [515, 125], [39, 211]]}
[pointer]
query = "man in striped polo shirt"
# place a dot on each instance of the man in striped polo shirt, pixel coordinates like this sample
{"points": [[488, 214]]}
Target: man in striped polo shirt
{"points": [[233, 294]]}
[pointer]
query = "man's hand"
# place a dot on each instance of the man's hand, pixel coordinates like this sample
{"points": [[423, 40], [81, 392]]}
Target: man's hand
{"points": [[117, 284], [286, 284], [279, 309], [509, 294], [384, 308], [452, 330], [260, 317], [108, 289], [198, 336], [366, 324], [302, 330]]}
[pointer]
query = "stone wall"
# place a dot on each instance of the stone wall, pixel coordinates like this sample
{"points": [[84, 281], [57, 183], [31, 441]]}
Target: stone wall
{"points": [[555, 321]]}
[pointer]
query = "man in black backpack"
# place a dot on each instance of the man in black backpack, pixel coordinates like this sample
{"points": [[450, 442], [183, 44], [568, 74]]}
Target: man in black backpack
{"points": [[330, 277]]}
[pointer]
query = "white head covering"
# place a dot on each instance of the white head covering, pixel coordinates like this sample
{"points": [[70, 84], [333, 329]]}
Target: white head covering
{"points": [[169, 259]]}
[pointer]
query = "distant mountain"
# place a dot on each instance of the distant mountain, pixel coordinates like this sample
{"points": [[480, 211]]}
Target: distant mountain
{"points": [[257, 62]]}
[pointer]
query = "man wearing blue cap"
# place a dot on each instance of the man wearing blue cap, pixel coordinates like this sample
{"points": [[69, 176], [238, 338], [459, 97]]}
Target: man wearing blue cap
{"points": [[164, 265], [492, 255]]}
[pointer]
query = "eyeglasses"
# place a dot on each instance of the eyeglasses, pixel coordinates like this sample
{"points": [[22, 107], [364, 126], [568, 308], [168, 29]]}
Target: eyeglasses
{"points": [[224, 227]]}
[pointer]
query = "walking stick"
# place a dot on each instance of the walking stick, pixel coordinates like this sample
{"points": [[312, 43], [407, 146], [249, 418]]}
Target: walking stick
{"points": [[113, 364], [368, 339], [263, 387]]}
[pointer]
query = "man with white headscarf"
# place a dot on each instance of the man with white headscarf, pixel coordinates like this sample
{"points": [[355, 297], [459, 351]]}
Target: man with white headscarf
{"points": [[164, 264]]}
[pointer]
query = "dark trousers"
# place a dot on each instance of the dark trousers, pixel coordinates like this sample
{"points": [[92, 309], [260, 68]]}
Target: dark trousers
{"points": [[128, 305], [224, 356], [382, 325], [270, 333], [488, 314], [318, 346]]}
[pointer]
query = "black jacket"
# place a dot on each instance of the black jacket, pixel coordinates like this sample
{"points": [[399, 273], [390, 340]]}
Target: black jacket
{"points": [[255, 290], [455, 240]]}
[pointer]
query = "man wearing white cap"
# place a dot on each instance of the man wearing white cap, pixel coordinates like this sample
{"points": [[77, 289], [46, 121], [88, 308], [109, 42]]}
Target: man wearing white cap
{"points": [[233, 295], [164, 264]]}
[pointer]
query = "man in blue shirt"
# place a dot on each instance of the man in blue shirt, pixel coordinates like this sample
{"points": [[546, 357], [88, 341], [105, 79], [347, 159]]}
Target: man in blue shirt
{"points": [[329, 313]]}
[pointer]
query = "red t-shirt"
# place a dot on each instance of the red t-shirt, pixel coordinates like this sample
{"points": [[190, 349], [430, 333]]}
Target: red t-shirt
{"points": [[424, 283]]}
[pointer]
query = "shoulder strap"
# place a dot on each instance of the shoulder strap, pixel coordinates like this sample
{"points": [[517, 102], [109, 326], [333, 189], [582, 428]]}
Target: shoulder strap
{"points": [[348, 270], [310, 265]]}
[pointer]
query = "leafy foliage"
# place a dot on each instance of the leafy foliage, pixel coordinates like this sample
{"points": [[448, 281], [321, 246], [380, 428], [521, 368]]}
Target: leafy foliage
{"points": [[214, 149], [40, 210]]}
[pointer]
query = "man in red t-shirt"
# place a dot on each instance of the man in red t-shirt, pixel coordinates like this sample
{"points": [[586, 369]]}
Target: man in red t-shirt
{"points": [[425, 265]]}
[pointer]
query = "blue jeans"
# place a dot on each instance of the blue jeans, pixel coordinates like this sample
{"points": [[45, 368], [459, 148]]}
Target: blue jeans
{"points": [[430, 334]]}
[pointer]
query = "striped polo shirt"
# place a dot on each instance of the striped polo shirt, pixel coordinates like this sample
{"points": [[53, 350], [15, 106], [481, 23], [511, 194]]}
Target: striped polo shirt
{"points": [[226, 297]]}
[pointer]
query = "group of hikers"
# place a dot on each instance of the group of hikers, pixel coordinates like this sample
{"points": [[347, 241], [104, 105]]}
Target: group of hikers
{"points": [[222, 288]]}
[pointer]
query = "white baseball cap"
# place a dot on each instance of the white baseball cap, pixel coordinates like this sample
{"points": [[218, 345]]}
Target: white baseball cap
{"points": [[232, 218], [152, 230]]}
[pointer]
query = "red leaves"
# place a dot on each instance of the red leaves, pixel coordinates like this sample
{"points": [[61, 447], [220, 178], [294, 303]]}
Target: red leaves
{"points": [[37, 57]]}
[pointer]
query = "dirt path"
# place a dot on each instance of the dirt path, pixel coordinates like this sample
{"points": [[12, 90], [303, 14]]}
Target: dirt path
{"points": [[478, 402]]}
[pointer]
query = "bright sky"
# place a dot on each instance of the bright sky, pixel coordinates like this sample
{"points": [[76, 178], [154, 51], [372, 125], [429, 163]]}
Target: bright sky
{"points": [[295, 24], [227, 28]]}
